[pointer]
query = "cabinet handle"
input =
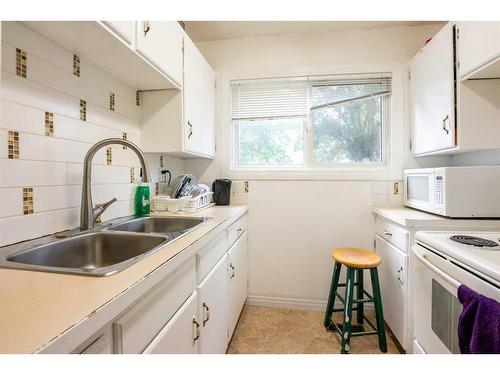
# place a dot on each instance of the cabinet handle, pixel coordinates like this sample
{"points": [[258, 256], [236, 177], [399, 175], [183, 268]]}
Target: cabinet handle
{"points": [[190, 129], [400, 275], [147, 27], [388, 234], [196, 330], [206, 313], [232, 269], [445, 124], [239, 230]]}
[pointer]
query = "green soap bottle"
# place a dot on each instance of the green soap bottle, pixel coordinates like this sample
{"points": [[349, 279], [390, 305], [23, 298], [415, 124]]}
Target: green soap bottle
{"points": [[142, 205]]}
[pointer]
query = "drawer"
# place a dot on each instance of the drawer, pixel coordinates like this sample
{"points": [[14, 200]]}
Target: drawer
{"points": [[138, 326], [393, 233], [235, 230], [210, 255], [100, 343]]}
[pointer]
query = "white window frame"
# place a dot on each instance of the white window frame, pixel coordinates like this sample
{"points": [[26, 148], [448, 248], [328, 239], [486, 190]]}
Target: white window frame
{"points": [[395, 130]]}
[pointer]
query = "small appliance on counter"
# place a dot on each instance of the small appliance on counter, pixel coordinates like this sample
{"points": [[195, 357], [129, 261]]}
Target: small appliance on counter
{"points": [[456, 192], [222, 192]]}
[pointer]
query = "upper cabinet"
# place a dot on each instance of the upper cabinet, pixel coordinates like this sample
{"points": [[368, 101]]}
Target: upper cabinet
{"points": [[182, 123], [160, 42], [449, 115], [478, 47], [123, 29]]}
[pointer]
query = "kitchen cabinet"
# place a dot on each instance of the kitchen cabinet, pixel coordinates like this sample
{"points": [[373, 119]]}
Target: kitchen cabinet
{"points": [[125, 30], [160, 42], [394, 286], [478, 47], [181, 123], [182, 332], [213, 310], [199, 102], [448, 116], [238, 279]]}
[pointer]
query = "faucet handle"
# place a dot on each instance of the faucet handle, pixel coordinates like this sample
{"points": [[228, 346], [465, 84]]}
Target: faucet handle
{"points": [[100, 208]]}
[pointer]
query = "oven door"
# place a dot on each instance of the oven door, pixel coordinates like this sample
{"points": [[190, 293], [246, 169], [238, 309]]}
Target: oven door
{"points": [[437, 308], [419, 189]]}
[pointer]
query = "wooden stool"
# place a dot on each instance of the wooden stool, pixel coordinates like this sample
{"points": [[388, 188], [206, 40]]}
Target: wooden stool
{"points": [[356, 260]]}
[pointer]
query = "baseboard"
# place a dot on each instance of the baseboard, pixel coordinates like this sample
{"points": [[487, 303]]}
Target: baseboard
{"points": [[293, 303]]}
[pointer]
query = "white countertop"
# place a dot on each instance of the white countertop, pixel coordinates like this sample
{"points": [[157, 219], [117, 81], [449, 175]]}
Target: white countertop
{"points": [[409, 217]]}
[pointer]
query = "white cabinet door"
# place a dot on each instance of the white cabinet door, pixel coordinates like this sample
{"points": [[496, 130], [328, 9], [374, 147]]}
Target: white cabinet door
{"points": [[181, 334], [394, 287], [160, 42], [124, 29], [238, 276], [199, 102], [478, 45], [213, 309], [433, 94]]}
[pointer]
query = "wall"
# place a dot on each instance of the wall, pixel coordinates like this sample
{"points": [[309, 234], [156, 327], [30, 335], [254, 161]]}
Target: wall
{"points": [[43, 111], [293, 225]]}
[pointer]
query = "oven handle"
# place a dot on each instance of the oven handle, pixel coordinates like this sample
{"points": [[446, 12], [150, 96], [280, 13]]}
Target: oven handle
{"points": [[421, 256]]}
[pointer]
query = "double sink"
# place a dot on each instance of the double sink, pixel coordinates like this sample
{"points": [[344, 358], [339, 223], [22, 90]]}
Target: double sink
{"points": [[104, 251]]}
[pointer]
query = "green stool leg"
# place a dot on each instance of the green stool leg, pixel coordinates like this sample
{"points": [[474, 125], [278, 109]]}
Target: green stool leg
{"points": [[360, 310], [379, 314], [346, 326], [331, 297]]}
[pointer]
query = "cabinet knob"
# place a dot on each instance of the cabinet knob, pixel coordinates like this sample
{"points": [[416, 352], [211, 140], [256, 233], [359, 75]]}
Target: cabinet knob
{"points": [[196, 330], [400, 275], [387, 233], [232, 269], [190, 129], [206, 313], [445, 124], [147, 27]]}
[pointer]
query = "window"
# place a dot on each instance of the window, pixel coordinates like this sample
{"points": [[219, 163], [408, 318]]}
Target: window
{"points": [[309, 122]]}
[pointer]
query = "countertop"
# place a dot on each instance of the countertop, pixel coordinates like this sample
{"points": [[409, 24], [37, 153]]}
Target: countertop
{"points": [[409, 217], [36, 307]]}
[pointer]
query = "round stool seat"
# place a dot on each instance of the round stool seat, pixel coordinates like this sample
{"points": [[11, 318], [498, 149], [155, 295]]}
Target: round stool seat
{"points": [[356, 257]]}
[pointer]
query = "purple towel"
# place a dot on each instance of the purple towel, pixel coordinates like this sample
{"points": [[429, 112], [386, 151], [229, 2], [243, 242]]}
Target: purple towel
{"points": [[478, 324]]}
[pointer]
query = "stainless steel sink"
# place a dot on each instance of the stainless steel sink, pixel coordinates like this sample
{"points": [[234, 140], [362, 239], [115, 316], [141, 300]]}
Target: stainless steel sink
{"points": [[97, 253], [173, 225]]}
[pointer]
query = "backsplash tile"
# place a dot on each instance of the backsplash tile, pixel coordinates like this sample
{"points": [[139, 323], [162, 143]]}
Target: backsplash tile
{"points": [[21, 63], [28, 200], [13, 145], [132, 175], [49, 124]]}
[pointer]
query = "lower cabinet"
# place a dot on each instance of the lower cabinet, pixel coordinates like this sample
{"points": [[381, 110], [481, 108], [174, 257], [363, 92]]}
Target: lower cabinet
{"points": [[238, 280], [182, 332], [394, 286], [213, 310]]}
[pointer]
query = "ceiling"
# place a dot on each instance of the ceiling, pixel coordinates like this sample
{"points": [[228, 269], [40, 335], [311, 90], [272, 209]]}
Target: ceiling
{"points": [[214, 30]]}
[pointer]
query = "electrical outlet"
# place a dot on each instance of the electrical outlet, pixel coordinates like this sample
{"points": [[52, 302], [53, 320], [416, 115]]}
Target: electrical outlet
{"points": [[395, 187]]}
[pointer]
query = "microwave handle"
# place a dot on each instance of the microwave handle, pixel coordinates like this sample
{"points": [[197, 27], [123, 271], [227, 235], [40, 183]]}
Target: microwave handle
{"points": [[421, 256]]}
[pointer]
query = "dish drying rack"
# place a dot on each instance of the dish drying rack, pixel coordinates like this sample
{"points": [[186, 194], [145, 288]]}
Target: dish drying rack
{"points": [[184, 204]]}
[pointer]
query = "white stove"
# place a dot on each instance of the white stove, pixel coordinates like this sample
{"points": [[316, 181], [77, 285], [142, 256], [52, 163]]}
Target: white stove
{"points": [[446, 260]]}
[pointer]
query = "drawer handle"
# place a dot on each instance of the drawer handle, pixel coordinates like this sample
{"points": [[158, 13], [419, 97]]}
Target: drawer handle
{"points": [[388, 234], [190, 129], [147, 27], [206, 313], [196, 331], [239, 230], [232, 269], [400, 275], [445, 124]]}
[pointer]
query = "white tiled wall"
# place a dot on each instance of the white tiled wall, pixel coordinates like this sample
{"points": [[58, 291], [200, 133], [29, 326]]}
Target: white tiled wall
{"points": [[52, 165]]}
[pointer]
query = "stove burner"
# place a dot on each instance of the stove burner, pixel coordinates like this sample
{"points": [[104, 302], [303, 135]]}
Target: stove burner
{"points": [[474, 241]]}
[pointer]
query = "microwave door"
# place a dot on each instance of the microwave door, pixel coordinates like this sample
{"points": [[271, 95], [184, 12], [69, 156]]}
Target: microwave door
{"points": [[419, 191]]}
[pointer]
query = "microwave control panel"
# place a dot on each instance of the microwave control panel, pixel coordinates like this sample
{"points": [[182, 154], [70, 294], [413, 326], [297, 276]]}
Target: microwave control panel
{"points": [[439, 190]]}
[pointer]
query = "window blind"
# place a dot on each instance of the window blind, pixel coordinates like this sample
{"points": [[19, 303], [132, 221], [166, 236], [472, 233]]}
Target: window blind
{"points": [[269, 99], [330, 93]]}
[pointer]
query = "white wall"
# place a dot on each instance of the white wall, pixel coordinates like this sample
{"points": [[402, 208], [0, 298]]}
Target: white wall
{"points": [[51, 165], [295, 224]]}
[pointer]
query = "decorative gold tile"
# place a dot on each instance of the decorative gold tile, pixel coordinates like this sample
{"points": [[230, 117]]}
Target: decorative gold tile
{"points": [[157, 188], [49, 124], [13, 145], [111, 101], [83, 110], [124, 136], [109, 156], [21, 63], [161, 161], [76, 65], [28, 200], [137, 98], [132, 175]]}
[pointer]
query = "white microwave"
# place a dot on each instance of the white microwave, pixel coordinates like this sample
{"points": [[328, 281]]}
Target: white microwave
{"points": [[456, 192]]}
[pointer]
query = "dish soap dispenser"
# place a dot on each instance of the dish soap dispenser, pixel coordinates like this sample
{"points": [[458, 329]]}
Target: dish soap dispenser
{"points": [[142, 205]]}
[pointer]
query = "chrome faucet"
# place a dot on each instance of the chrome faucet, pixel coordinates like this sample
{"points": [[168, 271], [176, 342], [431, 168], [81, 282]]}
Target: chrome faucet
{"points": [[88, 213]]}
